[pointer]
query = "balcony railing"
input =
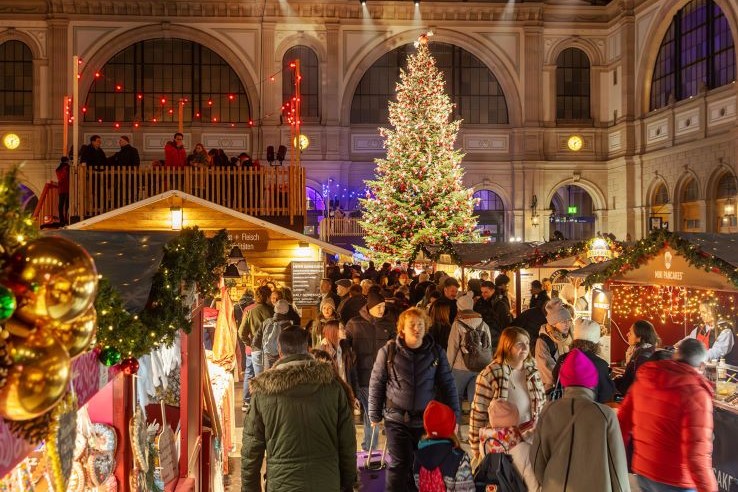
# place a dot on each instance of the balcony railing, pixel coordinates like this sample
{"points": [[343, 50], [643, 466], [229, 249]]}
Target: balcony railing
{"points": [[268, 191], [348, 227]]}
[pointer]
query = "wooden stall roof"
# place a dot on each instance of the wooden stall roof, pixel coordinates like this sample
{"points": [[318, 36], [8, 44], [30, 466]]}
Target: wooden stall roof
{"points": [[588, 270], [153, 214], [532, 254], [699, 260], [470, 254]]}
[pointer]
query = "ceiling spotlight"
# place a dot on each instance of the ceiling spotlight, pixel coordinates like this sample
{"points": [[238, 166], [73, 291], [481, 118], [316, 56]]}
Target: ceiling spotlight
{"points": [[417, 2], [363, 2]]}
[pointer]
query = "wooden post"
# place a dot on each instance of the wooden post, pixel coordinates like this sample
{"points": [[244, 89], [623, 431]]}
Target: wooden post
{"points": [[65, 128], [74, 186], [180, 116]]}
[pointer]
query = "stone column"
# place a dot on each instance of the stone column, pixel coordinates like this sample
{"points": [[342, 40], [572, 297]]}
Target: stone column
{"points": [[57, 84], [330, 103]]}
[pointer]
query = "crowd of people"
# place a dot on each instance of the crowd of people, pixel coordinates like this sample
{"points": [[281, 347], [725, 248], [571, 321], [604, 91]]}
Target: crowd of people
{"points": [[175, 155], [410, 350]]}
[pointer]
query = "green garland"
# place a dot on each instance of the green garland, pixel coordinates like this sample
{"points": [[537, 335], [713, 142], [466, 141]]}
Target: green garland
{"points": [[189, 260], [16, 224], [537, 259], [649, 246]]}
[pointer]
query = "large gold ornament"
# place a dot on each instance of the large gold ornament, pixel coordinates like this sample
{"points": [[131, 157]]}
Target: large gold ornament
{"points": [[77, 334], [54, 279], [38, 377]]}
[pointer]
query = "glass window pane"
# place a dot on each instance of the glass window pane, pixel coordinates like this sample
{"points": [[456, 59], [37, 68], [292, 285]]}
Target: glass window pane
{"points": [[147, 81], [468, 82], [572, 85], [16, 81]]}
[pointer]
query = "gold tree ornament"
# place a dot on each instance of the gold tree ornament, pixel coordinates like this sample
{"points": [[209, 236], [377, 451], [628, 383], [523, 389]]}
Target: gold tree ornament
{"points": [[423, 38], [76, 335], [54, 279], [38, 377]]}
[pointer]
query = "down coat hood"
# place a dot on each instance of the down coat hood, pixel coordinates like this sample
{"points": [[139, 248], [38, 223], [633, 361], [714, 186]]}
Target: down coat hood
{"points": [[671, 375], [292, 372]]}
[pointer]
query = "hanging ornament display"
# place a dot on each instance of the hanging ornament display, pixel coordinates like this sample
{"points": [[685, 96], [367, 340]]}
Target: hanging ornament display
{"points": [[129, 366], [54, 278], [109, 356], [38, 377], [76, 335], [7, 303]]}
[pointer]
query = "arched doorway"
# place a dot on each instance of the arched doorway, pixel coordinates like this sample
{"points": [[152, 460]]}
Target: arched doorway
{"points": [[572, 214], [490, 212]]}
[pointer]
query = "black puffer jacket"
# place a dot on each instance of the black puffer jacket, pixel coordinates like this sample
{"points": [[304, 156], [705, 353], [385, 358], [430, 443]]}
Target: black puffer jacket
{"points": [[367, 335], [410, 382]]}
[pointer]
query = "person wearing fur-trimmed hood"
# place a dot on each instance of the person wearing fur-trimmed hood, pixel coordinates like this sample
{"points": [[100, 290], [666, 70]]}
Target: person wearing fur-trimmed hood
{"points": [[301, 417]]}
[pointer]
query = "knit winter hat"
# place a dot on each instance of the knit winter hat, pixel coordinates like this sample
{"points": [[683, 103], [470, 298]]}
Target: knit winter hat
{"points": [[328, 301], [373, 299], [281, 307], [586, 329], [556, 312], [502, 413], [465, 302], [578, 370], [439, 420]]}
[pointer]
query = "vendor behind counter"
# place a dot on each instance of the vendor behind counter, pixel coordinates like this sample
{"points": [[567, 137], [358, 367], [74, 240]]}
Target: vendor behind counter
{"points": [[717, 333]]}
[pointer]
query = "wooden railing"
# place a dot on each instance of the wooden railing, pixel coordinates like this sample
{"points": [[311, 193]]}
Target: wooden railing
{"points": [[268, 191], [332, 226], [47, 208]]}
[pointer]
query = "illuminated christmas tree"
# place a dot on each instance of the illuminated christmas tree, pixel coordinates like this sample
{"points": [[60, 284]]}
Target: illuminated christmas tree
{"points": [[418, 196]]}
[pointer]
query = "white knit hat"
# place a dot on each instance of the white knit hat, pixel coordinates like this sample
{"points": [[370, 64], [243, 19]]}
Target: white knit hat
{"points": [[586, 329], [465, 302]]}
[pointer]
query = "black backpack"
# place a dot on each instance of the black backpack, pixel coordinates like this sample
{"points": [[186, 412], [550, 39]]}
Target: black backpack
{"points": [[498, 469], [475, 348]]}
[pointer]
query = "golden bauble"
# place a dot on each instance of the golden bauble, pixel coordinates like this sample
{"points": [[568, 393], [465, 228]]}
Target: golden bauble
{"points": [[77, 334], [54, 278], [38, 378]]}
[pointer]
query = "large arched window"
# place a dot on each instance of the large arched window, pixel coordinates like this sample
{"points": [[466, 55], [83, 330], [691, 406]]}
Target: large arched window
{"points": [[314, 199], [726, 187], [146, 82], [661, 195], [490, 212], [16, 81], [309, 81], [697, 52], [473, 88], [572, 86], [690, 193]]}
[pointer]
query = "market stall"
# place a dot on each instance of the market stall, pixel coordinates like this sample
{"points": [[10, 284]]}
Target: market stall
{"points": [[663, 279]]}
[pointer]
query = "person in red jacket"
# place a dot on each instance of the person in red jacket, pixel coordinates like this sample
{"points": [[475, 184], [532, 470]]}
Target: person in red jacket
{"points": [[668, 415], [175, 154]]}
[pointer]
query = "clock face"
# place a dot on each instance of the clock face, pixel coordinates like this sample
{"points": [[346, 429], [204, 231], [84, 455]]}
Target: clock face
{"points": [[302, 140], [575, 143], [11, 141]]}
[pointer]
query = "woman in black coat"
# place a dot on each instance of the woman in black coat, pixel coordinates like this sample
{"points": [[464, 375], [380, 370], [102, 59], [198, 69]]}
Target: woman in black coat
{"points": [[642, 342], [408, 373]]}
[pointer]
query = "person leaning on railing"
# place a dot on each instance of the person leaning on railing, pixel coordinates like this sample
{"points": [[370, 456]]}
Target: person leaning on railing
{"points": [[127, 155], [199, 157], [174, 152]]}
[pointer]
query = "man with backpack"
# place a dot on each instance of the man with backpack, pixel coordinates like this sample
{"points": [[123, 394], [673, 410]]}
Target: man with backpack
{"points": [[501, 308], [270, 330], [469, 347]]}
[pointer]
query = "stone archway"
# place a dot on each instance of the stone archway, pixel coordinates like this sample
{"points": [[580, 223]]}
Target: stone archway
{"points": [[572, 213]]}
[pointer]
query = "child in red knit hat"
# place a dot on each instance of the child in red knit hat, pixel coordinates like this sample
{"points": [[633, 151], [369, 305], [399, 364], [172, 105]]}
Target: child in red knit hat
{"points": [[440, 463]]}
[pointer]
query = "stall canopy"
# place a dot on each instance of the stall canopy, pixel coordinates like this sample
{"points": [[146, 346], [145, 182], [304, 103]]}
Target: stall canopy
{"points": [[471, 254], [128, 260], [533, 254]]}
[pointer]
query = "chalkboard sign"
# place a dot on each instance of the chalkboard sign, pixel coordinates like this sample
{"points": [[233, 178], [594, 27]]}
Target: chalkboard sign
{"points": [[306, 277]]}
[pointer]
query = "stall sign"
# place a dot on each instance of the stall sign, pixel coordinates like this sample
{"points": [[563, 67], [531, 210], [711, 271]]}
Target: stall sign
{"points": [[601, 306], [668, 267], [249, 239], [724, 463], [306, 277], [599, 250]]}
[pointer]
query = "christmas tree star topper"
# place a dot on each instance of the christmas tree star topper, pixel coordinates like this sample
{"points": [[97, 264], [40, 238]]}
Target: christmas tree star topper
{"points": [[423, 38]]}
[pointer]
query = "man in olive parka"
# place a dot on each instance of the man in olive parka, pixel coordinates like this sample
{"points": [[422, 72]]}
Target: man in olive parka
{"points": [[301, 417]]}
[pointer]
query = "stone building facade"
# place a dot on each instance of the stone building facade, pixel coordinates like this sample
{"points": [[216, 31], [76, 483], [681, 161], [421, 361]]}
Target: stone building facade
{"points": [[639, 165]]}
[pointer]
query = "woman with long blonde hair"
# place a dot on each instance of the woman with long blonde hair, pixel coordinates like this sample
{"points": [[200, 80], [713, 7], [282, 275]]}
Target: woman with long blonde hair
{"points": [[511, 376]]}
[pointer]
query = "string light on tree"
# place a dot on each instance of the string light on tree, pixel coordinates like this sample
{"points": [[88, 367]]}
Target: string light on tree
{"points": [[418, 196]]}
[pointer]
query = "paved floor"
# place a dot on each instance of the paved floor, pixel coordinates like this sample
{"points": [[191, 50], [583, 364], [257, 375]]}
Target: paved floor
{"points": [[233, 481]]}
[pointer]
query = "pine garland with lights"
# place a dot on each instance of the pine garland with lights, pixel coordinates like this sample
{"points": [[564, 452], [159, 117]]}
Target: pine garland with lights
{"points": [[16, 225], [189, 260], [418, 196], [649, 246]]}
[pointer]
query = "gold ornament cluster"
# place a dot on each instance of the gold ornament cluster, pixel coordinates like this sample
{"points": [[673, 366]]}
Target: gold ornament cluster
{"points": [[54, 282]]}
